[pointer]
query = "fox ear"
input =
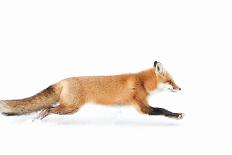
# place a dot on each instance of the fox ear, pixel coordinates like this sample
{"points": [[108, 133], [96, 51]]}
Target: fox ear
{"points": [[159, 69], [155, 63]]}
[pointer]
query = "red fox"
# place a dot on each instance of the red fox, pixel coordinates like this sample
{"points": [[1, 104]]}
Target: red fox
{"points": [[67, 96]]}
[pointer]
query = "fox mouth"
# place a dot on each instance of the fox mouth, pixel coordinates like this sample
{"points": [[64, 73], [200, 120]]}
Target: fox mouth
{"points": [[174, 89]]}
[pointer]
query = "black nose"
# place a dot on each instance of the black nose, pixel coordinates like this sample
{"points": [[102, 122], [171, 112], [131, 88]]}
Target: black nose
{"points": [[179, 88]]}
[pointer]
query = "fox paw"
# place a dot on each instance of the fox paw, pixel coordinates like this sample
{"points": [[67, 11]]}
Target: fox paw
{"points": [[180, 116], [42, 114]]}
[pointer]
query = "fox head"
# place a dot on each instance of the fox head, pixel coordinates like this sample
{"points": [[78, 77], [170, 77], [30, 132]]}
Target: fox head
{"points": [[163, 77]]}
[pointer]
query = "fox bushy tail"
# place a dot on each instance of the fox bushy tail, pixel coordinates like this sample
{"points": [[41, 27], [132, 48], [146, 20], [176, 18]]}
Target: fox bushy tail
{"points": [[42, 100]]}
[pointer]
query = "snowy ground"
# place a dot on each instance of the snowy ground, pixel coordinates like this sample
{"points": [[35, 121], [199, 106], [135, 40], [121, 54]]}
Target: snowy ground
{"points": [[42, 42], [102, 130]]}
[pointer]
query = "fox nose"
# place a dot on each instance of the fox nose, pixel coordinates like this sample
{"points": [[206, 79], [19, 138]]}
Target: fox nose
{"points": [[179, 88]]}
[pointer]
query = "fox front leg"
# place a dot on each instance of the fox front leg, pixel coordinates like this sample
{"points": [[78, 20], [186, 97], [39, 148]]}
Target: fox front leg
{"points": [[164, 112], [145, 108]]}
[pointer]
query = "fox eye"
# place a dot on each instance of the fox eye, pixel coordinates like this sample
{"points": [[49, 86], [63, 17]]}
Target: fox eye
{"points": [[170, 82]]}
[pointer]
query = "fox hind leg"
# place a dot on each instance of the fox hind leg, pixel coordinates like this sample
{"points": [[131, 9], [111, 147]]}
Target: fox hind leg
{"points": [[60, 110], [65, 109], [43, 113]]}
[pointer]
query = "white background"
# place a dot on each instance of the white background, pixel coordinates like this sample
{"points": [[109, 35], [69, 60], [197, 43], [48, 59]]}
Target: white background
{"points": [[42, 42]]}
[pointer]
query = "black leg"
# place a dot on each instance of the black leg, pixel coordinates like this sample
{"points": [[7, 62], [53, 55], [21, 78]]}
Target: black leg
{"points": [[164, 112]]}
